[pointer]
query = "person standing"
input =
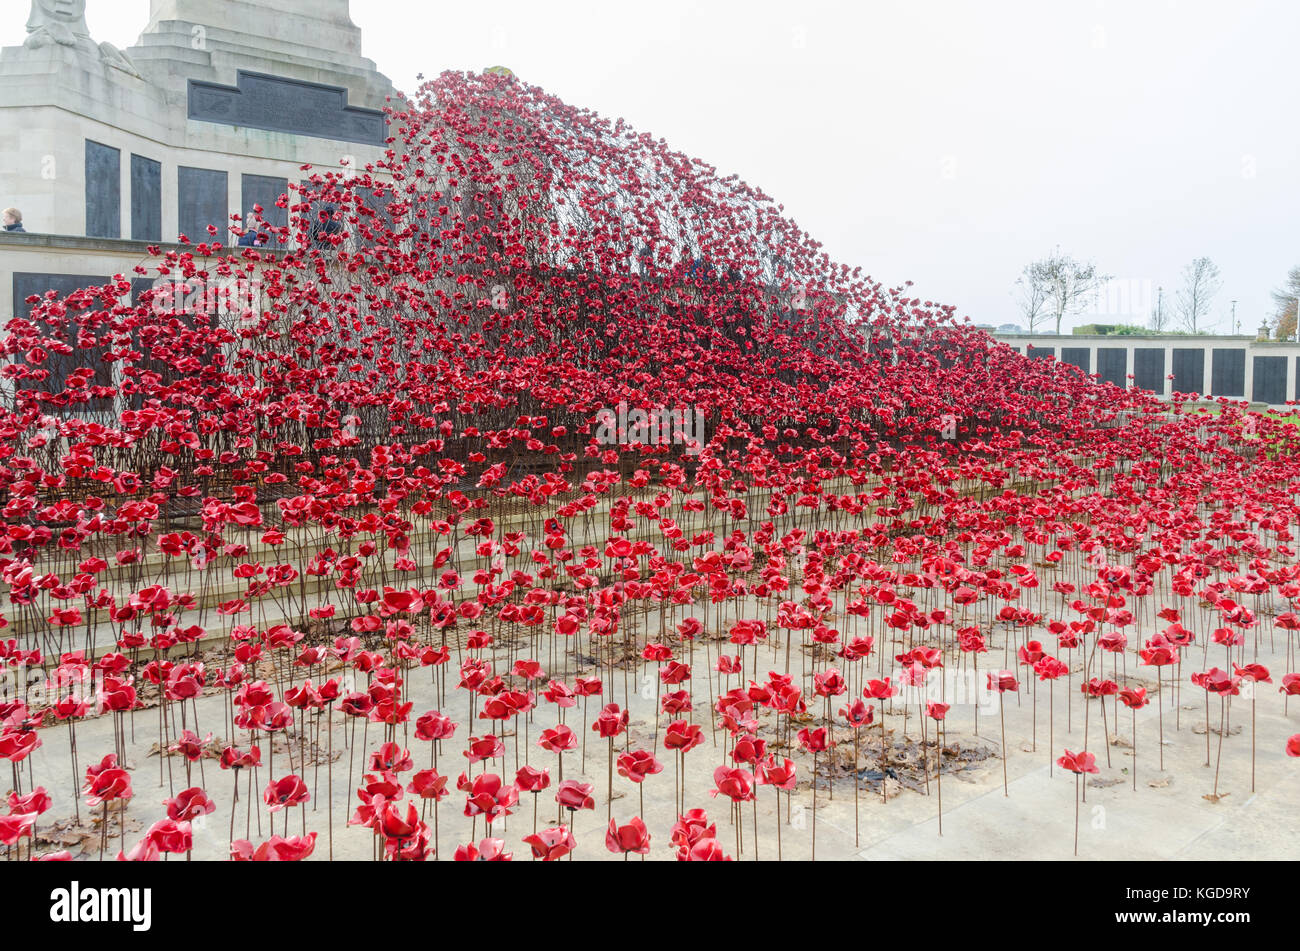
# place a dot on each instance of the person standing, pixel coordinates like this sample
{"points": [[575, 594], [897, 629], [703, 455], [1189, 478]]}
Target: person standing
{"points": [[324, 228], [250, 238]]}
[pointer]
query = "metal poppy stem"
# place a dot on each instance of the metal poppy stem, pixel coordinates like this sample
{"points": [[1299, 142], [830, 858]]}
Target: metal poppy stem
{"points": [[329, 777], [72, 746], [1105, 731], [938, 774], [233, 803], [778, 821], [1077, 777], [1207, 728], [925, 752], [1223, 706], [1135, 748], [1002, 714], [814, 808], [1160, 716], [1051, 724], [884, 758], [856, 839]]}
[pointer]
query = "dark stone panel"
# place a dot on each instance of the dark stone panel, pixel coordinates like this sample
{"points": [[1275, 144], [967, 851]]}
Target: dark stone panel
{"points": [[146, 199], [265, 191], [202, 196], [1080, 357], [1228, 373], [435, 224], [277, 104], [61, 365], [377, 203], [373, 216], [1189, 370], [103, 191], [143, 339], [1112, 365], [169, 352], [1017, 349], [1268, 382], [28, 284], [138, 286], [1042, 353], [319, 223], [1149, 369]]}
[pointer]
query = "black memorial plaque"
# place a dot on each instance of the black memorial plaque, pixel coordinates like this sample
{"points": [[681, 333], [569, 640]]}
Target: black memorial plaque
{"points": [[1269, 380], [203, 200], [265, 190], [379, 221], [103, 191], [322, 218], [158, 338], [1042, 353], [61, 365], [294, 106], [1189, 370], [1112, 365], [1080, 357], [1149, 369], [1228, 373], [146, 199]]}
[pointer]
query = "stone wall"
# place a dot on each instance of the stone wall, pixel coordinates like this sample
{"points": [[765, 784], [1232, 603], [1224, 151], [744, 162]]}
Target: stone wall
{"points": [[1237, 367]]}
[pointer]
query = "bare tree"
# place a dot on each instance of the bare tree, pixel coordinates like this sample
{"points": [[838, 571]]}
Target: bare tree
{"points": [[1031, 297], [1159, 319], [1285, 299], [1066, 284], [1200, 283]]}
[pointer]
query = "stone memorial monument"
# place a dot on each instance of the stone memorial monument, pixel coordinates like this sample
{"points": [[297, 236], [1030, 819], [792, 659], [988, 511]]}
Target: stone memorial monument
{"points": [[211, 113], [215, 108]]}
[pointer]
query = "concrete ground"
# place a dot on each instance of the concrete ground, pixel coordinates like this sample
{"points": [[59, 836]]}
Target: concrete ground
{"points": [[1167, 816]]}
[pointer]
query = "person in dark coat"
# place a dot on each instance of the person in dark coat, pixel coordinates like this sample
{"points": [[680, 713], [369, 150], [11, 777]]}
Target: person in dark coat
{"points": [[323, 228], [13, 220]]}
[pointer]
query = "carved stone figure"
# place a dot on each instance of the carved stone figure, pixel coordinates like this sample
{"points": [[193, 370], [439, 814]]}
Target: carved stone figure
{"points": [[58, 21], [63, 23]]}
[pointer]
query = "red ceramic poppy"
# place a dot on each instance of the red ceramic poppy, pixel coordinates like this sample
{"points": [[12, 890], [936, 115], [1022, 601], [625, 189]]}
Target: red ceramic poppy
{"points": [[551, 844], [628, 838], [1078, 762]]}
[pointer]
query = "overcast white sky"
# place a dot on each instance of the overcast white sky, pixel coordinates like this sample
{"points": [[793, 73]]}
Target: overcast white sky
{"points": [[940, 141]]}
